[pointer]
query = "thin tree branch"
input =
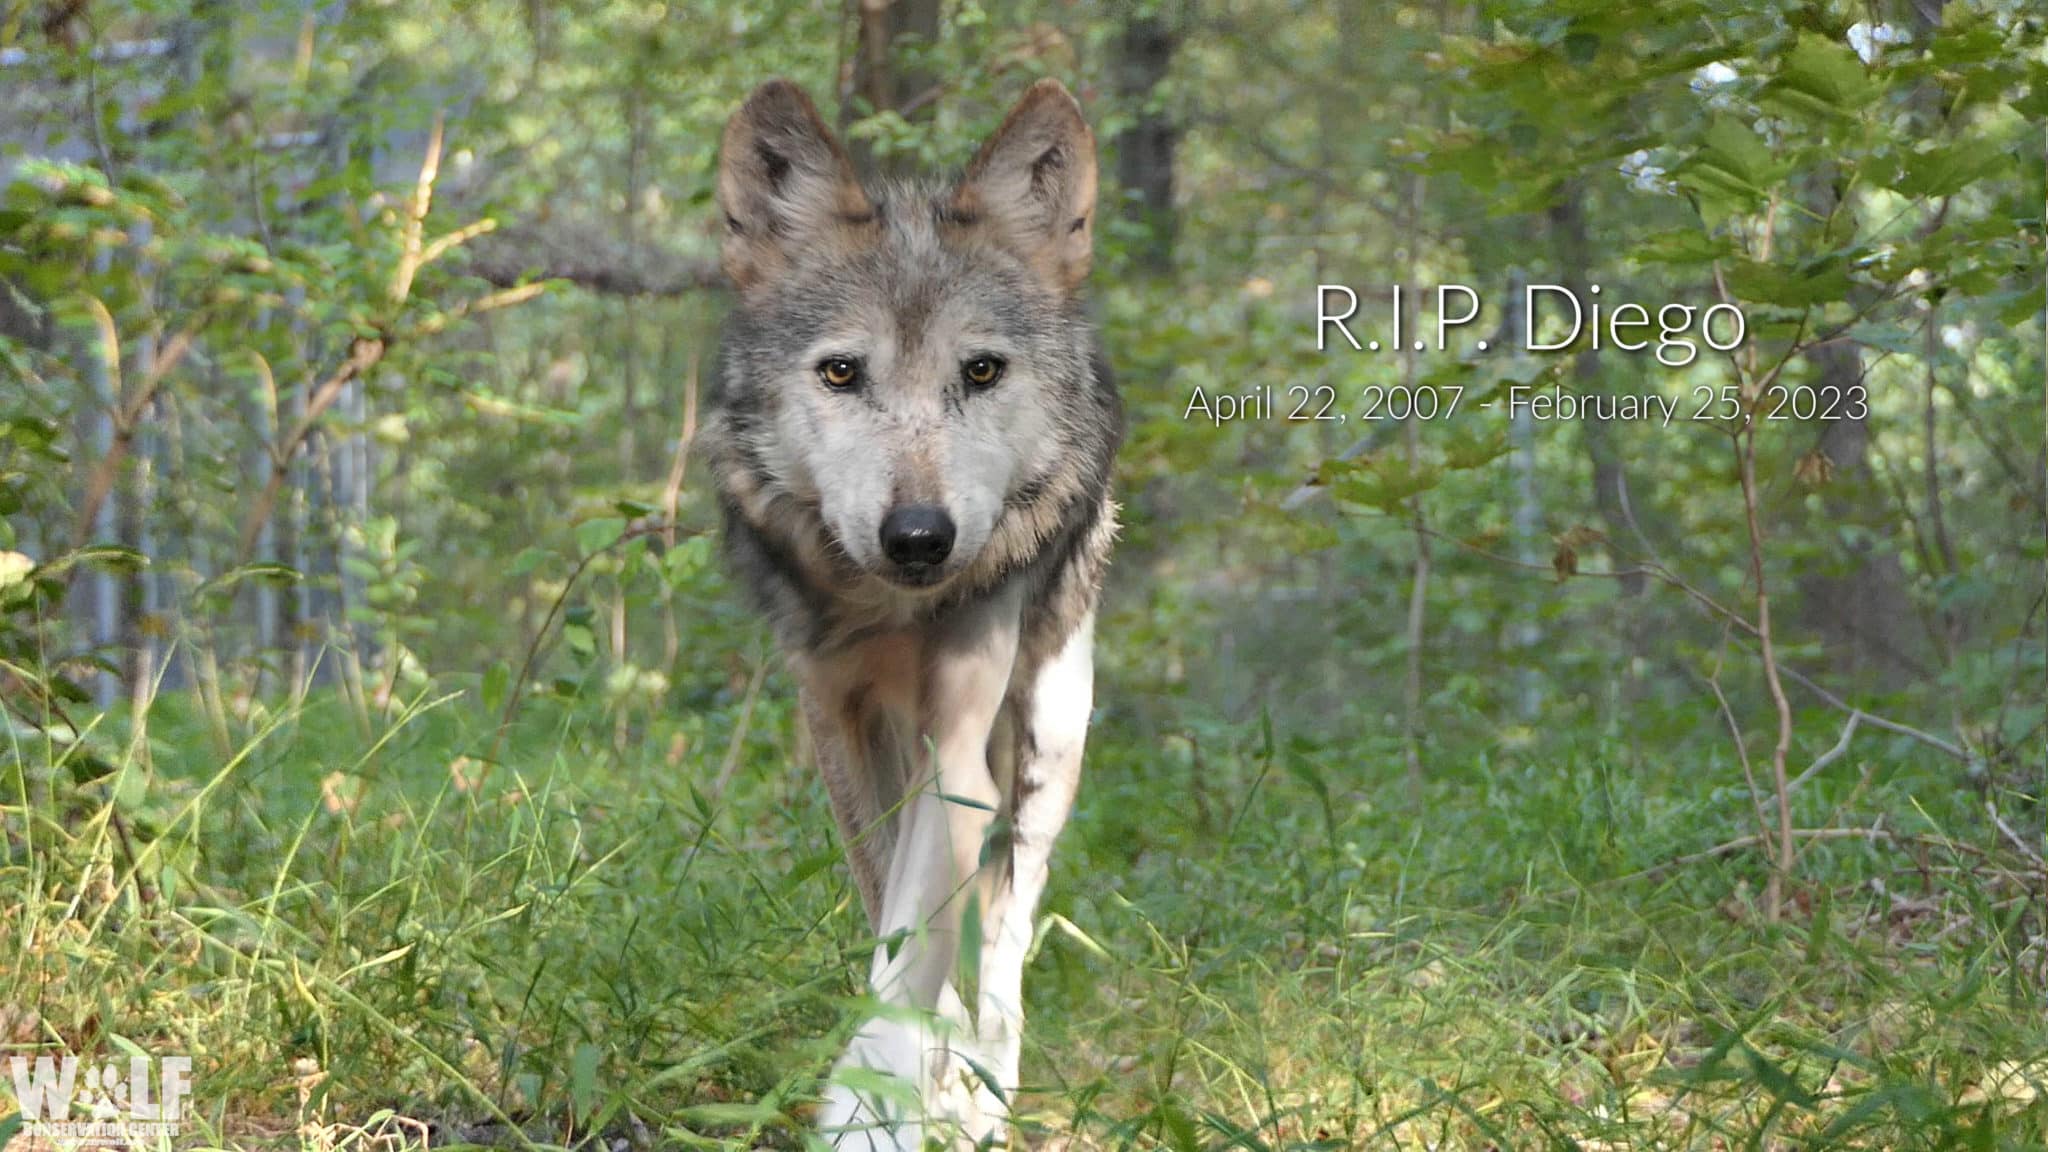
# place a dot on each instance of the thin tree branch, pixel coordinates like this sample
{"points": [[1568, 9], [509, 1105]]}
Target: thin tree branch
{"points": [[127, 413], [2025, 849], [364, 353], [587, 258], [1830, 756]]}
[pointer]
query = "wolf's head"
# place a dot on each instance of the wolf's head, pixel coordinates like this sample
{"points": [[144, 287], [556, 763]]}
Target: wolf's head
{"points": [[909, 361]]}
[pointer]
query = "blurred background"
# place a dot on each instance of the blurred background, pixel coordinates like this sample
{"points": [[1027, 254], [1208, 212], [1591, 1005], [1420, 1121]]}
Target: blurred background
{"points": [[351, 354]]}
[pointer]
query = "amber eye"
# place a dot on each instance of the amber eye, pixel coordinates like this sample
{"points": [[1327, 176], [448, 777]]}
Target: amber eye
{"points": [[839, 373], [982, 371]]}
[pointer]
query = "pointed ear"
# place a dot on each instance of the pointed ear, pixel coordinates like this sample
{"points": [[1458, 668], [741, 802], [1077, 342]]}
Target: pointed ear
{"points": [[1033, 183], [784, 185]]}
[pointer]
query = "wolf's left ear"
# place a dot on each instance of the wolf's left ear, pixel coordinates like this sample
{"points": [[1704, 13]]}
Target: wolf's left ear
{"points": [[784, 184], [1034, 183]]}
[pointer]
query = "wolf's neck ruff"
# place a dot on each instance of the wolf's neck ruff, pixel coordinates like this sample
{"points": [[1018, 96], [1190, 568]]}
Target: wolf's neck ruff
{"points": [[912, 448]]}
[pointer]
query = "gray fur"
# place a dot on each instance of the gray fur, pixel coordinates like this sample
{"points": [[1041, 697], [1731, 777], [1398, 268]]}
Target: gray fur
{"points": [[987, 665]]}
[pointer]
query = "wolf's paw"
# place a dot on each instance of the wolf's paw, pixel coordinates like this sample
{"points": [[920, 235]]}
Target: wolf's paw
{"points": [[874, 1102], [902, 1085], [972, 1112]]}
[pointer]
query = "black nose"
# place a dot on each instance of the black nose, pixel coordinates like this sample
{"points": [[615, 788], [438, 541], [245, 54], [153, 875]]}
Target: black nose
{"points": [[917, 534]]}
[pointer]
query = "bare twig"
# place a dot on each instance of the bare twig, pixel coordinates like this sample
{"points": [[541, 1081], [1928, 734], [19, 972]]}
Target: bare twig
{"points": [[1874, 720], [364, 353], [1830, 756], [2025, 849], [1756, 796], [588, 258], [1876, 833], [410, 257], [672, 494], [737, 744], [127, 414], [1744, 443]]}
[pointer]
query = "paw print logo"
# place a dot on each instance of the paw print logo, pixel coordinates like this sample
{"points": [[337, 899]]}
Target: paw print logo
{"points": [[115, 1086], [104, 1092]]}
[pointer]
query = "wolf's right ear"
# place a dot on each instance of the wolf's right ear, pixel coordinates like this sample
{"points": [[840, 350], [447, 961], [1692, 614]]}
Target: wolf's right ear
{"points": [[783, 184], [1034, 182]]}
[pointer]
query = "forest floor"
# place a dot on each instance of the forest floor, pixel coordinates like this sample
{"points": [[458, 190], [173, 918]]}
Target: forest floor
{"points": [[365, 939]]}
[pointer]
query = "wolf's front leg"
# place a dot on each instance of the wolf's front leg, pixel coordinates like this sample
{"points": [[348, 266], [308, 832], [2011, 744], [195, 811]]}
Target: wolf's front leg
{"points": [[940, 830], [1053, 711]]}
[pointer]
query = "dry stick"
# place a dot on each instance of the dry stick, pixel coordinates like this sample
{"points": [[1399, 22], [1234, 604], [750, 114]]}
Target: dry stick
{"points": [[1742, 843], [1746, 454], [734, 746], [363, 354], [410, 258], [1756, 796], [1744, 445], [1876, 721], [671, 496], [1830, 756], [2019, 842], [126, 416]]}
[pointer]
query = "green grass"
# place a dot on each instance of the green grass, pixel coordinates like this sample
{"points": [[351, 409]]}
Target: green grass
{"points": [[1255, 942]]}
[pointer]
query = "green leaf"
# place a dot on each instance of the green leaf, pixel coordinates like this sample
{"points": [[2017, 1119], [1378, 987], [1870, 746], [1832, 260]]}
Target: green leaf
{"points": [[1824, 74], [1181, 1135], [583, 1079], [595, 535], [224, 585], [529, 558], [1947, 169], [1885, 337], [1731, 171], [1682, 246], [810, 866], [579, 639], [1469, 447], [969, 960], [1775, 1080], [1730, 146], [497, 685], [738, 1115], [1815, 282], [1385, 482], [113, 557]]}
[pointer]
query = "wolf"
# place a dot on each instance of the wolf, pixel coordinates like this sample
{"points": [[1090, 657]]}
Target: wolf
{"points": [[912, 444]]}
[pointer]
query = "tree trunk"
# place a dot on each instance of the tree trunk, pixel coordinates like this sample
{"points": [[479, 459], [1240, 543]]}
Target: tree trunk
{"points": [[1145, 150], [1610, 479], [1855, 598], [883, 77]]}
